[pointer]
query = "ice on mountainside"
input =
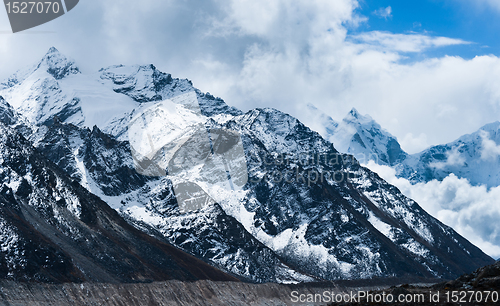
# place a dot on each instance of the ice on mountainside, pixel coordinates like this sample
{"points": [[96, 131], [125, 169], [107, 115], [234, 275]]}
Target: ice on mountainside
{"points": [[53, 230]]}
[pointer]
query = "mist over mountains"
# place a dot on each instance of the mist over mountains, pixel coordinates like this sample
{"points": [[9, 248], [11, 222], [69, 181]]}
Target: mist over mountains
{"points": [[307, 212]]}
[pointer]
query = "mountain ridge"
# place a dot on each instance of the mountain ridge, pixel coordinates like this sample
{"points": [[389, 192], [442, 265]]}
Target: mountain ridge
{"points": [[473, 156], [361, 136], [57, 231], [306, 226]]}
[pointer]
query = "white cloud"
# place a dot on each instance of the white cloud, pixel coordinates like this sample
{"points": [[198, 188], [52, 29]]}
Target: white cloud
{"points": [[473, 211], [306, 56], [489, 149], [384, 12], [405, 42]]}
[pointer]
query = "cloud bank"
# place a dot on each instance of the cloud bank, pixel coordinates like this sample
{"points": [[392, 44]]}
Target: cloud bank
{"points": [[473, 211]]}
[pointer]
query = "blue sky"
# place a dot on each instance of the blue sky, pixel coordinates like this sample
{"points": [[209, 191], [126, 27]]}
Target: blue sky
{"points": [[471, 21]]}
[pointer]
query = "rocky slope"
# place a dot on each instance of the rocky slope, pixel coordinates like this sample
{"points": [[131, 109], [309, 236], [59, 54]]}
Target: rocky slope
{"points": [[478, 288], [54, 230], [105, 167], [485, 278], [170, 293]]}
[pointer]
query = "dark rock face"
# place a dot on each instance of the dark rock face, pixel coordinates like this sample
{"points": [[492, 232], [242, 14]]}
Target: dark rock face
{"points": [[485, 278], [11, 118], [478, 288], [58, 65], [147, 84], [7, 113], [394, 152], [28, 256], [126, 82], [107, 160], [209, 234], [211, 105]]}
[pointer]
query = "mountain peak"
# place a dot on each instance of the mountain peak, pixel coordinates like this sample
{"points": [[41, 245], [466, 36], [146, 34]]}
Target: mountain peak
{"points": [[57, 64], [355, 116], [52, 50], [354, 112], [53, 62], [361, 136]]}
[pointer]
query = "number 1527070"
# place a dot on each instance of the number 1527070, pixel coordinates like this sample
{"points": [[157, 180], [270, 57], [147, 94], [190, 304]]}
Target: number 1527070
{"points": [[37, 7]]}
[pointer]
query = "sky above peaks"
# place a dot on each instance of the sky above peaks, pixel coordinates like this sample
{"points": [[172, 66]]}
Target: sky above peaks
{"points": [[426, 70], [473, 21]]}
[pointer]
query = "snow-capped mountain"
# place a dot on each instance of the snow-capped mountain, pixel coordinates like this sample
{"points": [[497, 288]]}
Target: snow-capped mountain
{"points": [[54, 87], [360, 136], [475, 157], [54, 230], [105, 167], [306, 213]]}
